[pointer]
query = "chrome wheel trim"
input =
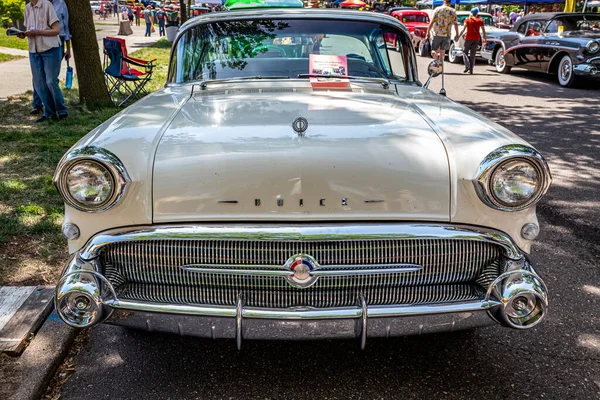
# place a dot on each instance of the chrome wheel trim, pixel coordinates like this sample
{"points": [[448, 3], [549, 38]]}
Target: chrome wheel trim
{"points": [[565, 70], [451, 56], [500, 62]]}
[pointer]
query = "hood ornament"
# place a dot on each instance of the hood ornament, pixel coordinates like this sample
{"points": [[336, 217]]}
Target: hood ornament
{"points": [[300, 125]]}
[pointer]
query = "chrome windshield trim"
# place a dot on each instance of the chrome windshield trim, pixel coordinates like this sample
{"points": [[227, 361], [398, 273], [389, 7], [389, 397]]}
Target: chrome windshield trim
{"points": [[304, 313], [304, 232]]}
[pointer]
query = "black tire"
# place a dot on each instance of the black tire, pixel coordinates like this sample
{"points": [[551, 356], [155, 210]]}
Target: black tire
{"points": [[453, 59], [424, 49], [565, 72], [500, 63]]}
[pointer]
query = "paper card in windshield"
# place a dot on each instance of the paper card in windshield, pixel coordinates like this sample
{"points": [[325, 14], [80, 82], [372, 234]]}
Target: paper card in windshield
{"points": [[334, 69]]}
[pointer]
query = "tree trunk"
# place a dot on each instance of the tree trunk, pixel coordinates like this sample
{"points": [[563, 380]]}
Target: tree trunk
{"points": [[182, 12], [92, 87]]}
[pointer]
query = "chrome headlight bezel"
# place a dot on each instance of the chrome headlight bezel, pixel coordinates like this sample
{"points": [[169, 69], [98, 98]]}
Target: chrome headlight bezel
{"points": [[592, 43], [484, 184], [105, 159]]}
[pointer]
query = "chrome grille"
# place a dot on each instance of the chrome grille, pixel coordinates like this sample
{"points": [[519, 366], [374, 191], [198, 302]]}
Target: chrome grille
{"points": [[453, 269]]}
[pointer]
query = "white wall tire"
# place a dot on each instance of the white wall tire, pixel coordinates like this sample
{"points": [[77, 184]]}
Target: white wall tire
{"points": [[451, 56], [500, 62], [566, 74]]}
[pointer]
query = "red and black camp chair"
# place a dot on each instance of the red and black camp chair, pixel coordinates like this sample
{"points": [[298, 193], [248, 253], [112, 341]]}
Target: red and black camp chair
{"points": [[124, 81]]}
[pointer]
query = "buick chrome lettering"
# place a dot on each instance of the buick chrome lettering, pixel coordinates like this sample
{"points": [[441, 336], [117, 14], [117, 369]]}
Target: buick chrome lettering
{"points": [[254, 198]]}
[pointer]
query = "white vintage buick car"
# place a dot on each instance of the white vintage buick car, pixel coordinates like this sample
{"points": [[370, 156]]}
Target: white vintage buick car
{"points": [[295, 180]]}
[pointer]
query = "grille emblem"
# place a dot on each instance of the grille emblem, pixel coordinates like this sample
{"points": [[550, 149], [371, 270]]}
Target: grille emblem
{"points": [[300, 125], [301, 266]]}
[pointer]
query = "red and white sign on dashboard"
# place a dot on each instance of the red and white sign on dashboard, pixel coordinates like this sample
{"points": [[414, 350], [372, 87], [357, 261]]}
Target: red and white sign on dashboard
{"points": [[331, 71]]}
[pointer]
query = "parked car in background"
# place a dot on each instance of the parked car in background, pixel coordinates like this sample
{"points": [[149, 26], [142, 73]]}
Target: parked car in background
{"points": [[565, 44], [256, 196], [455, 54], [95, 5], [392, 9], [410, 19]]}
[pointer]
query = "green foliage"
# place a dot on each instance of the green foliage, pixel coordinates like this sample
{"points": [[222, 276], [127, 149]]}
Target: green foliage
{"points": [[11, 11], [12, 42], [8, 57]]}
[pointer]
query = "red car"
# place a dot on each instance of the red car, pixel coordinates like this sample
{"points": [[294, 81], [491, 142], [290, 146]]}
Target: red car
{"points": [[410, 19]]}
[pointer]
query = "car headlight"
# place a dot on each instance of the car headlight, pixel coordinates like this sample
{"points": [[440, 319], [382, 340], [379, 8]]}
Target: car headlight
{"points": [[91, 179], [593, 46], [514, 183], [90, 185], [512, 178]]}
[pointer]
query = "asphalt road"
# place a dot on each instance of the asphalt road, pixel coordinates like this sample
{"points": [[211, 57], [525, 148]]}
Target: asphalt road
{"points": [[559, 359]]}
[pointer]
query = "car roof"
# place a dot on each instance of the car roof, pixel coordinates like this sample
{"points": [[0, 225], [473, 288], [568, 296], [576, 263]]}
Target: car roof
{"points": [[546, 16], [271, 13], [409, 12]]}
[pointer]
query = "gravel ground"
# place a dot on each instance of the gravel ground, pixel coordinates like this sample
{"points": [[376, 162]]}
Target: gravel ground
{"points": [[559, 359]]}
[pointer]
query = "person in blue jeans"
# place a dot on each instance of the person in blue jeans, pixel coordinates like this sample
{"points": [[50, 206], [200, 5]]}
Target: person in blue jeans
{"points": [[65, 37], [161, 17], [42, 31], [149, 19]]}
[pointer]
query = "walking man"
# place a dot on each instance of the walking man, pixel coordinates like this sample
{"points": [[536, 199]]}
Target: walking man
{"points": [[444, 17], [472, 25], [161, 17], [60, 8], [149, 19], [137, 13], [45, 55]]}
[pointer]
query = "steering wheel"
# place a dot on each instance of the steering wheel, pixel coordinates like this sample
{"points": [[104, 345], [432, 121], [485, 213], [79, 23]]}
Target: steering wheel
{"points": [[265, 48]]}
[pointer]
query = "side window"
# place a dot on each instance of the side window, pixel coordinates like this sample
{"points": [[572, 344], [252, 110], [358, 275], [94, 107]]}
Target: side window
{"points": [[522, 28]]}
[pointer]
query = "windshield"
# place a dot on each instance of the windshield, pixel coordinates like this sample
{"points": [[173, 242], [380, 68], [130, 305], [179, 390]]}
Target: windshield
{"points": [[414, 18], [282, 48], [487, 19], [590, 23]]}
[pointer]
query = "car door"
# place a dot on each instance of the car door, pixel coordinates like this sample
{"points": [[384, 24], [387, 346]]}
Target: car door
{"points": [[527, 53], [550, 42]]}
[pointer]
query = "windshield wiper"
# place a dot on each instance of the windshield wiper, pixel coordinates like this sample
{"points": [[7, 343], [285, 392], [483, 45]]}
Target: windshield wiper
{"points": [[204, 83], [385, 83]]}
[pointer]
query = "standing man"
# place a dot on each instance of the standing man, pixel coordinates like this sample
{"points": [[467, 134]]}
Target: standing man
{"points": [[149, 18], [43, 29], [60, 8], [444, 17], [472, 25], [137, 11], [161, 16]]}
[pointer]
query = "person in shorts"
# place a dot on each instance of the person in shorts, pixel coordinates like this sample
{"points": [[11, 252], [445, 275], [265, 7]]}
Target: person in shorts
{"points": [[444, 17]]}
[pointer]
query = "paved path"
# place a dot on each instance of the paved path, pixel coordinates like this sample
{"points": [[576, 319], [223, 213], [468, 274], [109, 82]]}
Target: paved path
{"points": [[559, 359], [16, 75]]}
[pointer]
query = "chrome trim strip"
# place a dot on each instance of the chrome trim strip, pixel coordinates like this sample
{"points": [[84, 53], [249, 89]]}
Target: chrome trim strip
{"points": [[316, 232], [303, 313], [498, 157], [99, 155], [520, 46], [332, 270]]}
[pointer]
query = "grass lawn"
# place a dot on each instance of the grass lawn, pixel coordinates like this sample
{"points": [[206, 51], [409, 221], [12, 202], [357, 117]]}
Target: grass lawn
{"points": [[9, 57], [32, 249], [12, 41]]}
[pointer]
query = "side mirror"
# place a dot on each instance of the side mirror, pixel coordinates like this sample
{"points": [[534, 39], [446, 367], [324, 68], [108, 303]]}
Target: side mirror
{"points": [[435, 68]]}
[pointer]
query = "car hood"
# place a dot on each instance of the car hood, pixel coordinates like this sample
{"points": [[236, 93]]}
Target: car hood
{"points": [[231, 154]]}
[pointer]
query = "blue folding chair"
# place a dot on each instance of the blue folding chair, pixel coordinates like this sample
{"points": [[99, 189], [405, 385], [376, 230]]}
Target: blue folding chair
{"points": [[124, 82]]}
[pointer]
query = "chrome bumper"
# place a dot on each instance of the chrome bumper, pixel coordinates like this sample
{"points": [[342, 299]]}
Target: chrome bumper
{"points": [[84, 297], [256, 324], [587, 70]]}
